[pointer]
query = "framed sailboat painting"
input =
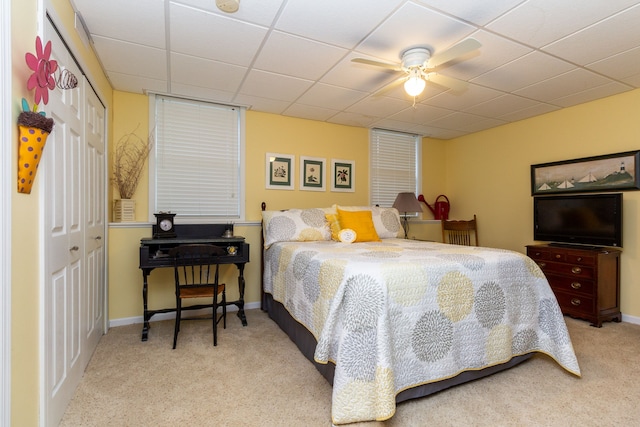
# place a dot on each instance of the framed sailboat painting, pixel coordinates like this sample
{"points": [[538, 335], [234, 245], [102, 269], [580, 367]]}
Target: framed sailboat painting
{"points": [[611, 172]]}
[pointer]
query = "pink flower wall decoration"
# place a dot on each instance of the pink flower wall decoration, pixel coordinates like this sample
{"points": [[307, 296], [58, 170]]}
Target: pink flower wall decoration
{"points": [[43, 68]]}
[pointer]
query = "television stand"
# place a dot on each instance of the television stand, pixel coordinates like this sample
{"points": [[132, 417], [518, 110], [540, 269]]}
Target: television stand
{"points": [[585, 281]]}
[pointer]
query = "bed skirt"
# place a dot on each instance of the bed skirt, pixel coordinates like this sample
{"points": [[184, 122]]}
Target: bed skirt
{"points": [[306, 342]]}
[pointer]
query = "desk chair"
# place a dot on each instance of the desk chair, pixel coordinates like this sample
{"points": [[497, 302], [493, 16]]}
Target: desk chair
{"points": [[193, 277], [460, 232]]}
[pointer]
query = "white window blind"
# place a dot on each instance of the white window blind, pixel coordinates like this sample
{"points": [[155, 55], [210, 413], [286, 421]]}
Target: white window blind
{"points": [[198, 159], [394, 165]]}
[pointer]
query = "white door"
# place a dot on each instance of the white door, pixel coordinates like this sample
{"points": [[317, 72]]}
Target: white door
{"points": [[94, 219], [73, 236]]}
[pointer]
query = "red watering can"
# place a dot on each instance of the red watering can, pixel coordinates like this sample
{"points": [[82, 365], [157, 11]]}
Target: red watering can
{"points": [[440, 208]]}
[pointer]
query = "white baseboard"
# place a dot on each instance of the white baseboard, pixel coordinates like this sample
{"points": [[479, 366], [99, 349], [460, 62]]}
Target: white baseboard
{"points": [[166, 316], [631, 319]]}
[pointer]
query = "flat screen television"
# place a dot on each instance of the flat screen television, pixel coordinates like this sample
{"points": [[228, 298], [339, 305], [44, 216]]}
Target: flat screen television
{"points": [[592, 219]]}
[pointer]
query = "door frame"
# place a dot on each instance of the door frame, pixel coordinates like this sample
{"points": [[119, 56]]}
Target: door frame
{"points": [[5, 212]]}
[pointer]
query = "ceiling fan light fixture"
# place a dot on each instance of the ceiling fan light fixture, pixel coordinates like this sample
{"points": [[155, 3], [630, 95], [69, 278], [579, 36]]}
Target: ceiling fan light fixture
{"points": [[414, 85]]}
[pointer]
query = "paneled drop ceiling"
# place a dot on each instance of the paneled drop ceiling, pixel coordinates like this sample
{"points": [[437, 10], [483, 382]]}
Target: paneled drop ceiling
{"points": [[293, 57]]}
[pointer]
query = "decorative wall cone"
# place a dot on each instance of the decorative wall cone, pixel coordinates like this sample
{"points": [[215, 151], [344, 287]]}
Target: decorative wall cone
{"points": [[34, 130]]}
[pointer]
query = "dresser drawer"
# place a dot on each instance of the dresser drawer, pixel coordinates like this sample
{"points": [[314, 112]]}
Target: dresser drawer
{"points": [[571, 284], [567, 269], [575, 304]]}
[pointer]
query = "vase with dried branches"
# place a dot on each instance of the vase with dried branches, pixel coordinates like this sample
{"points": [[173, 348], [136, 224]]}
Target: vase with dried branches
{"points": [[129, 156]]}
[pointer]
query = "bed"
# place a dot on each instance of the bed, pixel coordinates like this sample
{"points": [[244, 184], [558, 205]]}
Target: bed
{"points": [[388, 319]]}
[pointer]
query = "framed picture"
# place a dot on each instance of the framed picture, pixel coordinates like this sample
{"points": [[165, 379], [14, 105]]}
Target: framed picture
{"points": [[343, 175], [312, 173], [600, 173], [280, 169]]}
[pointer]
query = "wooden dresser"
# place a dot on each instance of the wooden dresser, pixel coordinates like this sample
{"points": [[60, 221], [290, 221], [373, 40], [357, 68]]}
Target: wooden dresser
{"points": [[586, 281]]}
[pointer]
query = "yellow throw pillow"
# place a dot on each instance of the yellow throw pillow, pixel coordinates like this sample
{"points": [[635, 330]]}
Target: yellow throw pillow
{"points": [[361, 222], [334, 226]]}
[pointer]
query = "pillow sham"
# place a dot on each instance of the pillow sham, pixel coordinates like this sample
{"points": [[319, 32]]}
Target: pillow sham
{"points": [[294, 225], [361, 223]]}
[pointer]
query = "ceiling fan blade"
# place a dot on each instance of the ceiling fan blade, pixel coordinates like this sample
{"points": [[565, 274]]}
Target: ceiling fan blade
{"points": [[455, 51], [394, 67], [448, 82], [388, 88]]}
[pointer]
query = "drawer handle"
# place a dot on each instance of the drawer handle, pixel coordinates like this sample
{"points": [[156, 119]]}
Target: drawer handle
{"points": [[575, 301], [576, 285], [537, 253], [558, 256], [579, 258], [542, 264], [576, 270]]}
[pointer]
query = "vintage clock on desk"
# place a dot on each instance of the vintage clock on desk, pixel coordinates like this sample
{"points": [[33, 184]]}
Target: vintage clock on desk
{"points": [[165, 226]]}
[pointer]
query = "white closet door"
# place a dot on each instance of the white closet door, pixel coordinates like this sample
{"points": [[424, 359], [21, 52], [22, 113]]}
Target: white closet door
{"points": [[95, 223], [72, 181]]}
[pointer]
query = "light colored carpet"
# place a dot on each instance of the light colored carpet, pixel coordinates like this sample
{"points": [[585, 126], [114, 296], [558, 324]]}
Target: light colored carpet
{"points": [[257, 377]]}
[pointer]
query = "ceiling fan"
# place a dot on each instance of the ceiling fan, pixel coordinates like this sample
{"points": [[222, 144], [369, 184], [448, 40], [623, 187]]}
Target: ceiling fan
{"points": [[419, 67]]}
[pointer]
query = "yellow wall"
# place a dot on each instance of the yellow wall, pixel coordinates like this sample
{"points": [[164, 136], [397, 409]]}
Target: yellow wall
{"points": [[488, 174], [265, 133], [25, 288]]}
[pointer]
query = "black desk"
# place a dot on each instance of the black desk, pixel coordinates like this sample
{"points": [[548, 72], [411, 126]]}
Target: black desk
{"points": [[154, 254]]}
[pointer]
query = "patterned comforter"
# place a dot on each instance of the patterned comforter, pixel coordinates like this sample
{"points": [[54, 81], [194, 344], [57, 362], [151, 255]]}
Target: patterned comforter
{"points": [[400, 313]]}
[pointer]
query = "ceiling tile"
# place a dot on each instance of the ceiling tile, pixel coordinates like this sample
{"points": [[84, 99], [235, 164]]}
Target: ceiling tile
{"points": [[413, 25], [455, 101], [274, 86], [577, 80], [609, 37], [312, 62], [477, 12], [322, 95], [202, 93], [535, 110], [522, 72], [540, 22], [591, 94], [205, 73], [197, 33], [309, 112], [261, 12], [106, 19], [353, 119], [332, 21], [621, 66], [130, 58], [137, 84], [501, 105]]}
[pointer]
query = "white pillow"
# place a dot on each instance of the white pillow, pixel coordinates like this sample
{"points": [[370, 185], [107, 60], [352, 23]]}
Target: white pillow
{"points": [[294, 225]]}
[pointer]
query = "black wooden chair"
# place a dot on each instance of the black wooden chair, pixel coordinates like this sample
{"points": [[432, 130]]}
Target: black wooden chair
{"points": [[460, 232], [196, 276]]}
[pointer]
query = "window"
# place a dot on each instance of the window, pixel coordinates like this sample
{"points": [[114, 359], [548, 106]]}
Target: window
{"points": [[395, 165], [197, 164]]}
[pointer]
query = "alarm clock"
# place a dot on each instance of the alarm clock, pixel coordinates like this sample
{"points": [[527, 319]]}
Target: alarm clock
{"points": [[164, 225]]}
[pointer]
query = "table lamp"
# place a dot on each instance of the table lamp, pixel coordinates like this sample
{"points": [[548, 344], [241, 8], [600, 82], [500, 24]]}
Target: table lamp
{"points": [[406, 202]]}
